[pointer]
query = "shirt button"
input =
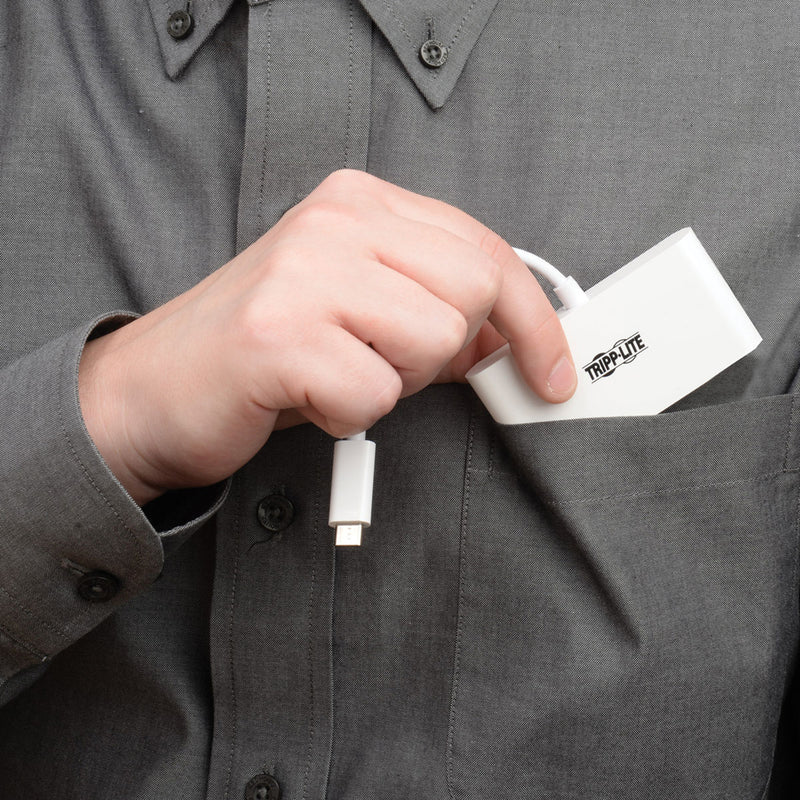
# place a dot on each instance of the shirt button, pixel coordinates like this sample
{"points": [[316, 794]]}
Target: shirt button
{"points": [[98, 587], [275, 512], [180, 24], [262, 787], [433, 53]]}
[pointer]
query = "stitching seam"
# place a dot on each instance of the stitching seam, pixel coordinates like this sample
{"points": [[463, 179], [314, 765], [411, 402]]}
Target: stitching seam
{"points": [[40, 623], [312, 717], [461, 24], [460, 611], [756, 479], [348, 131], [203, 10], [231, 609], [23, 644], [267, 110], [791, 433], [794, 420], [399, 21]]}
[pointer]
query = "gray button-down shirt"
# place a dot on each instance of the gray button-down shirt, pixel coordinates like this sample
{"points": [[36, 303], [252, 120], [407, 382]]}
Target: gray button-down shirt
{"points": [[584, 609]]}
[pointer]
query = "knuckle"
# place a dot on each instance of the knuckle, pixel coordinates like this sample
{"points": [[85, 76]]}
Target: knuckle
{"points": [[345, 181], [489, 279], [271, 294], [494, 246], [387, 396], [324, 215], [488, 283], [452, 332], [266, 324], [370, 403]]}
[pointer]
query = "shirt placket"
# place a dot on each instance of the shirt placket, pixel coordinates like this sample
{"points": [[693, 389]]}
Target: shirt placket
{"points": [[308, 102]]}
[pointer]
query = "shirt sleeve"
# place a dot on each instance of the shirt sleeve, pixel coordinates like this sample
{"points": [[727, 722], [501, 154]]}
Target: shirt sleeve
{"points": [[74, 545]]}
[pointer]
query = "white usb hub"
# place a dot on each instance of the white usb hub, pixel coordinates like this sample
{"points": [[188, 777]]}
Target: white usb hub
{"points": [[645, 337]]}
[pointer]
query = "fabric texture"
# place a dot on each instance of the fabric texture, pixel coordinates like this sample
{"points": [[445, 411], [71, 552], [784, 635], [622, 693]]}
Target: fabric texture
{"points": [[583, 609]]}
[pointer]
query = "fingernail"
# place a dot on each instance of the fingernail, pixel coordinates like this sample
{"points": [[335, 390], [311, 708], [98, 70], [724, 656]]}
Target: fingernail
{"points": [[563, 378]]}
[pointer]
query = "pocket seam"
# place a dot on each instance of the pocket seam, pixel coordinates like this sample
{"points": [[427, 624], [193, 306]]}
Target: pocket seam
{"points": [[791, 436], [462, 545], [676, 490], [782, 412]]}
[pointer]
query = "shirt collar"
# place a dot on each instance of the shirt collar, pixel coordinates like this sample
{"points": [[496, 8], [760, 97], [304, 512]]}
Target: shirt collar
{"points": [[456, 24], [206, 16], [408, 25]]}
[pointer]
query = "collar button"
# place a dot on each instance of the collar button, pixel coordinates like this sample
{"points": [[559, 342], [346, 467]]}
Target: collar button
{"points": [[433, 53], [180, 24]]}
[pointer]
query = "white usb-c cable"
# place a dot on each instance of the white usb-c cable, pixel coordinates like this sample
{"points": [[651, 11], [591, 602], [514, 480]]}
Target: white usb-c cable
{"points": [[566, 288], [351, 488], [354, 457]]}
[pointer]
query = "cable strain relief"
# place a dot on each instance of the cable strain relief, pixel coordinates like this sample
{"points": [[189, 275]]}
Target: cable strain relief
{"points": [[570, 293]]}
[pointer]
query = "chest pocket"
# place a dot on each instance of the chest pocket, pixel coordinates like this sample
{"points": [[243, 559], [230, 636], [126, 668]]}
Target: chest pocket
{"points": [[628, 609]]}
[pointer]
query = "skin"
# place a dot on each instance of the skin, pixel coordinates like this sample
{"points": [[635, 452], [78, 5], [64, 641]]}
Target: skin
{"points": [[362, 294]]}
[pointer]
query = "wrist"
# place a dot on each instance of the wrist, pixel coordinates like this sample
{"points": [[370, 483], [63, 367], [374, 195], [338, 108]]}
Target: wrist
{"points": [[104, 408]]}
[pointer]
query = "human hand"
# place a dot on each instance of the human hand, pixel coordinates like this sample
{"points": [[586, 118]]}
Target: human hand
{"points": [[361, 294]]}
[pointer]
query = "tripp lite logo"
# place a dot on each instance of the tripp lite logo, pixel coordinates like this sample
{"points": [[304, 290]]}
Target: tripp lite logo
{"points": [[623, 352]]}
